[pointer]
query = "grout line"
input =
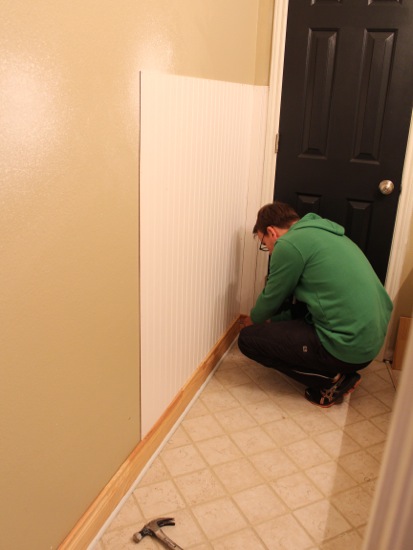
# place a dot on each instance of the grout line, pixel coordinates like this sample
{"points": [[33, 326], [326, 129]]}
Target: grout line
{"points": [[390, 371]]}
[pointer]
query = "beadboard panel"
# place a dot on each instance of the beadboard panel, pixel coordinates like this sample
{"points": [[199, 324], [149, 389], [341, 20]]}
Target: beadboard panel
{"points": [[202, 144]]}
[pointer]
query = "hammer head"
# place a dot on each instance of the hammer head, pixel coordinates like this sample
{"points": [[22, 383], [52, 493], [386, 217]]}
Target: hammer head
{"points": [[151, 528]]}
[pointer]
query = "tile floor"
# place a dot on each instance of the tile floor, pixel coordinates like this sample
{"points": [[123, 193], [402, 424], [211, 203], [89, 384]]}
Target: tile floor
{"points": [[254, 465]]}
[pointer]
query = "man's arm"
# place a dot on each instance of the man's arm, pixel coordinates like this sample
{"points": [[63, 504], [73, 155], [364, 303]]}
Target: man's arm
{"points": [[286, 268]]}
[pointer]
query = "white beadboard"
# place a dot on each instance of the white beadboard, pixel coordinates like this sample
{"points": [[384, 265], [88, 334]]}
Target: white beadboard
{"points": [[201, 161]]}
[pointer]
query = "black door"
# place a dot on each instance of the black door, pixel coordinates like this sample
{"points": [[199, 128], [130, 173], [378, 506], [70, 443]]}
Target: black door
{"points": [[345, 114]]}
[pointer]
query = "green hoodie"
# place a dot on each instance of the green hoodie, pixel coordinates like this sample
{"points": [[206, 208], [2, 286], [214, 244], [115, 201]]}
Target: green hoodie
{"points": [[319, 265]]}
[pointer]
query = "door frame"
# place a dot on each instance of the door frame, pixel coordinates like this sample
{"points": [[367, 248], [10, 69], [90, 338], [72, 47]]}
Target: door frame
{"points": [[405, 206]]}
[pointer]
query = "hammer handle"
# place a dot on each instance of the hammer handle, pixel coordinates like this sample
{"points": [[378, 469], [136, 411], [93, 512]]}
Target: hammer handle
{"points": [[169, 543]]}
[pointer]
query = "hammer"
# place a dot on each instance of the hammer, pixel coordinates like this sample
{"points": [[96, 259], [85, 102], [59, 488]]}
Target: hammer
{"points": [[153, 529]]}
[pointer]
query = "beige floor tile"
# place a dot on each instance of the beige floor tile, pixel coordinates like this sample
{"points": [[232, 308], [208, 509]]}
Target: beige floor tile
{"points": [[197, 409], [235, 420], [248, 393], [269, 380], [284, 431], [186, 531], [343, 414], [232, 377], [369, 405], [382, 421], [355, 505], [351, 540], [330, 478], [213, 385], [237, 475], [230, 362], [387, 397], [395, 376], [121, 539], [203, 427], [361, 466], [273, 464], [373, 381], [284, 533], [375, 366], [235, 354], [199, 487], [129, 514], [322, 521], [337, 443], [219, 401], [156, 472], [253, 440], [178, 439], [296, 490], [365, 433], [242, 540], [370, 486], [183, 460], [314, 421], [385, 372], [159, 499], [376, 451], [219, 518], [265, 411], [361, 391], [255, 465], [306, 453], [294, 403], [218, 450], [259, 504]]}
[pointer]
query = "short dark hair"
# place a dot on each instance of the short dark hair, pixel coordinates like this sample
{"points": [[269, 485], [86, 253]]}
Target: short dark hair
{"points": [[278, 214]]}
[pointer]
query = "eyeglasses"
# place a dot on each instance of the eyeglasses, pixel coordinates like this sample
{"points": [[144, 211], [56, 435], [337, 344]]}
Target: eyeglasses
{"points": [[263, 248]]}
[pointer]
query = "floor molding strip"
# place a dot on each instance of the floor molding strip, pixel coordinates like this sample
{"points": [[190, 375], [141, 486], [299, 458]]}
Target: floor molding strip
{"points": [[86, 529]]}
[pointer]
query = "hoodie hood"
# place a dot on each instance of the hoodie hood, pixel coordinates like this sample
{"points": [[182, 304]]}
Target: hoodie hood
{"points": [[316, 222]]}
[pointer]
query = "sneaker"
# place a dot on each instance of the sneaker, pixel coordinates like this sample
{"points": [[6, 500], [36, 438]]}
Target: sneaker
{"points": [[326, 397]]}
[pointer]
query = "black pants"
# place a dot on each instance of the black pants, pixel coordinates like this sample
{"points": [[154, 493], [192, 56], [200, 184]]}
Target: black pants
{"points": [[293, 348]]}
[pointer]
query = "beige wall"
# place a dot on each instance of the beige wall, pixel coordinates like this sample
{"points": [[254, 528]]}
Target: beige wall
{"points": [[403, 302], [69, 74]]}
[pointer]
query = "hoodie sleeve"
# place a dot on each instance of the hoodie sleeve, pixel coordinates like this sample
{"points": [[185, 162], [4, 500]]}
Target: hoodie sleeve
{"points": [[286, 267]]}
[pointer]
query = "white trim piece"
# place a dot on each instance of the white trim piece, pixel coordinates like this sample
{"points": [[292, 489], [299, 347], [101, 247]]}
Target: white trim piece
{"points": [[274, 99], [402, 225], [198, 161], [273, 122], [401, 235], [391, 525]]}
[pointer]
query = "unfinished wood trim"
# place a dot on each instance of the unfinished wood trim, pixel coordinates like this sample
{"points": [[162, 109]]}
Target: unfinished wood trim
{"points": [[95, 516], [401, 341]]}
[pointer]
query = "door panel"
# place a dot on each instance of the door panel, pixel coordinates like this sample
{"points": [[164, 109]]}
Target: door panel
{"points": [[345, 114]]}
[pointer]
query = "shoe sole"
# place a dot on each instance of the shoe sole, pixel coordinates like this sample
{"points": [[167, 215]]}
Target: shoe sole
{"points": [[339, 400]]}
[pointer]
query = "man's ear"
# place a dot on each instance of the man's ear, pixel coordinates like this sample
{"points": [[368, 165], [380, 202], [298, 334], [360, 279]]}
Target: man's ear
{"points": [[272, 231]]}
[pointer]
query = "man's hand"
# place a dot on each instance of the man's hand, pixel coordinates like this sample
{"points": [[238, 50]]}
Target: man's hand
{"points": [[246, 321]]}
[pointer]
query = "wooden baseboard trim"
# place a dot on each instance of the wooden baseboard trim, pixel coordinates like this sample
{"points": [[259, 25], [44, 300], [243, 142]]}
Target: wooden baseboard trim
{"points": [[403, 331], [100, 510]]}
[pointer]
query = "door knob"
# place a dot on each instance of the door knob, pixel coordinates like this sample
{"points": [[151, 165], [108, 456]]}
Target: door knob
{"points": [[386, 187]]}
